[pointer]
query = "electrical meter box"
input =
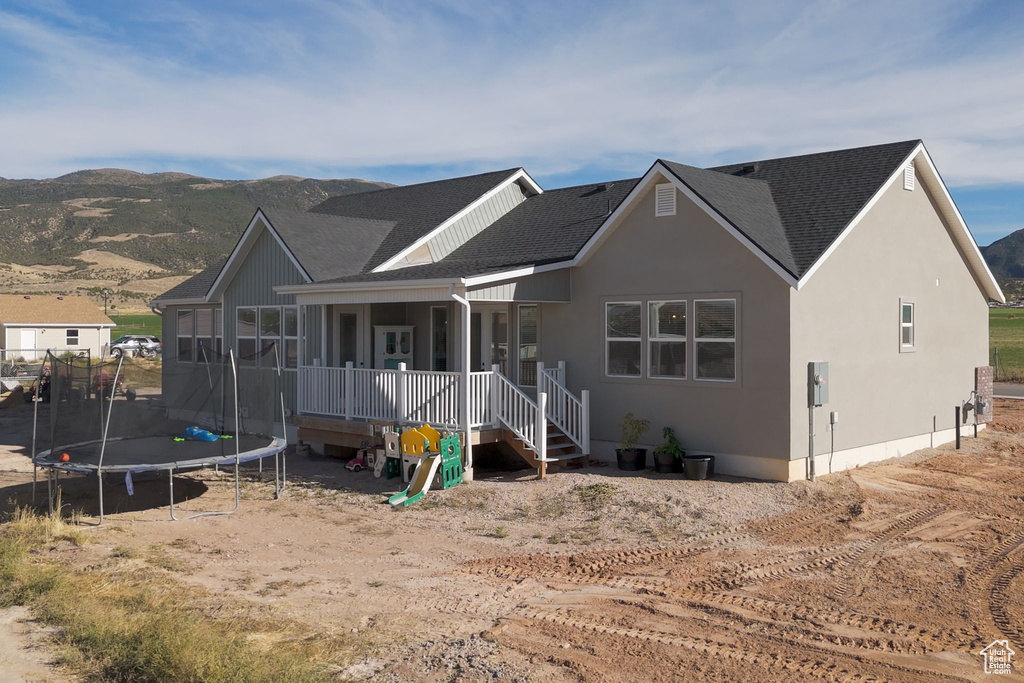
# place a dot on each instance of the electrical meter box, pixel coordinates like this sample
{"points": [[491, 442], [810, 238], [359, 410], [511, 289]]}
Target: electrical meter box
{"points": [[817, 383]]}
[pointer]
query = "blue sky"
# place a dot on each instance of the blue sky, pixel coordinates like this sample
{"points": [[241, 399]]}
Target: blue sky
{"points": [[575, 91]]}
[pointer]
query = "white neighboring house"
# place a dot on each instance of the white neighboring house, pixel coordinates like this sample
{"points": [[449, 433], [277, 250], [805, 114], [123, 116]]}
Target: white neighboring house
{"points": [[32, 323]]}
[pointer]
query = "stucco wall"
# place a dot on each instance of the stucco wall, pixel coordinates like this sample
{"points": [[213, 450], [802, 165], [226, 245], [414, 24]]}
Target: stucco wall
{"points": [[685, 256], [848, 313]]}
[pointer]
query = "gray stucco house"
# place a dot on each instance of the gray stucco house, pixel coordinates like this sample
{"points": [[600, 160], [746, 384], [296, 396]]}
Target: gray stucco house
{"points": [[693, 297]]}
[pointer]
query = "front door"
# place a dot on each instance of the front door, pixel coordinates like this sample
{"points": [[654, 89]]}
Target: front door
{"points": [[28, 344], [489, 331]]}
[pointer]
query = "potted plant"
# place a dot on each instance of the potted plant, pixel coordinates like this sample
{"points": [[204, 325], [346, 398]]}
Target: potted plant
{"points": [[628, 455], [668, 457]]}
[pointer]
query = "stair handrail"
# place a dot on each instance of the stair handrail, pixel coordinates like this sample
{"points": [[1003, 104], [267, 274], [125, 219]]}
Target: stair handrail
{"points": [[568, 413], [521, 414]]}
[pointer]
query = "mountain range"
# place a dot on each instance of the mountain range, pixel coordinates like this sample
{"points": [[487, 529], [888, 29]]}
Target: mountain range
{"points": [[175, 221]]}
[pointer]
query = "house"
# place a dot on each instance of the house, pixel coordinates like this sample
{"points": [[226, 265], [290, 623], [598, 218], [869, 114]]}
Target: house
{"points": [[32, 323], [790, 316]]}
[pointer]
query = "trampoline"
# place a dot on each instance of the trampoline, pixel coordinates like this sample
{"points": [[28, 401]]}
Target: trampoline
{"points": [[92, 431]]}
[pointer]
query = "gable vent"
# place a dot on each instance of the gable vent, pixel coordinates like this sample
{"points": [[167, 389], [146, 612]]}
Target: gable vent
{"points": [[665, 199], [908, 177]]}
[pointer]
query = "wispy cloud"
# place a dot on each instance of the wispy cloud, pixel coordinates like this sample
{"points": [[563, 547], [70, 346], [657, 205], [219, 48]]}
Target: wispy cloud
{"points": [[323, 86]]}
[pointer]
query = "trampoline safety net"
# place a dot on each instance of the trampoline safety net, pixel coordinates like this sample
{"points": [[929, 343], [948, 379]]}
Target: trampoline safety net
{"points": [[143, 414]]}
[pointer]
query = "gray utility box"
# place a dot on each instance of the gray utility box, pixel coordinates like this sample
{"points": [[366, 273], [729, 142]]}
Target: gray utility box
{"points": [[817, 383]]}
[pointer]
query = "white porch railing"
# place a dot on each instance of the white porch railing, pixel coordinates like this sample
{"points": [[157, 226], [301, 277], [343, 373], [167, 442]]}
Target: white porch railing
{"points": [[405, 396], [570, 414], [414, 397], [520, 414]]}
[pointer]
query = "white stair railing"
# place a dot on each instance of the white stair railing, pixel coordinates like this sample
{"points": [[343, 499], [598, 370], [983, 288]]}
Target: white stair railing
{"points": [[568, 413], [520, 414]]}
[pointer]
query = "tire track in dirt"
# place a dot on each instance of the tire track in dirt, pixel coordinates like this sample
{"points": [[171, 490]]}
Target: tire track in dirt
{"points": [[999, 596], [820, 662], [846, 565], [787, 612]]}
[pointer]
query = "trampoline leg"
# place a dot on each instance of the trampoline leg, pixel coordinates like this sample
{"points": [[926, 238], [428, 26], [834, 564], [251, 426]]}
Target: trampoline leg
{"points": [[171, 479], [49, 492], [99, 479], [35, 476]]}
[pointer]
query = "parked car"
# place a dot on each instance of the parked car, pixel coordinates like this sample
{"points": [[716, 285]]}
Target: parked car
{"points": [[136, 345]]}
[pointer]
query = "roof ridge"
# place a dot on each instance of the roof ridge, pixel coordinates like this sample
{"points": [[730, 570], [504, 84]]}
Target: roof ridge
{"points": [[812, 154], [504, 172]]}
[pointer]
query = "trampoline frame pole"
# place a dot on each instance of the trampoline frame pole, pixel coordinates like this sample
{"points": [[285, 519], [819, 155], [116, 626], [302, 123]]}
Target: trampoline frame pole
{"points": [[171, 495], [106, 430], [35, 422], [279, 458]]}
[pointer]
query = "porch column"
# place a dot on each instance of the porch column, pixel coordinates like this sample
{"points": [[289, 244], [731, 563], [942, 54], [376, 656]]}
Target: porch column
{"points": [[465, 394]]}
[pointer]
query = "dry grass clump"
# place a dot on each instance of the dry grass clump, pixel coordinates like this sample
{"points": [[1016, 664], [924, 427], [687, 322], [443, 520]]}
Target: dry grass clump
{"points": [[141, 628]]}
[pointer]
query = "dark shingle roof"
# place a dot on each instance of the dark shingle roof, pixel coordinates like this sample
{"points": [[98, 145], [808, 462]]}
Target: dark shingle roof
{"points": [[196, 286], [329, 246], [746, 203], [817, 195], [415, 209], [548, 227]]}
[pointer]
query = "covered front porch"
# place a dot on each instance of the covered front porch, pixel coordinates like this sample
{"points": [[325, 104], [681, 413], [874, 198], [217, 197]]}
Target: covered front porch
{"points": [[459, 360]]}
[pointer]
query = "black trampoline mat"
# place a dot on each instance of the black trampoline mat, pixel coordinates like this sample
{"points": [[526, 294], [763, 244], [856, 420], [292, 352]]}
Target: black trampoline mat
{"points": [[140, 454]]}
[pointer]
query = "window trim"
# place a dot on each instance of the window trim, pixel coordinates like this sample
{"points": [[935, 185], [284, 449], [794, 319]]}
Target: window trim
{"points": [[650, 339], [912, 325], [733, 340], [638, 340]]}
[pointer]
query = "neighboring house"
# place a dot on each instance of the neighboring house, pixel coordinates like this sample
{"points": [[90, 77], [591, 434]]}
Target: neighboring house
{"points": [[32, 323], [693, 297]]}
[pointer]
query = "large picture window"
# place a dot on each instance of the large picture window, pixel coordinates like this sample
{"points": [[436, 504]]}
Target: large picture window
{"points": [[528, 338], [715, 339], [666, 321], [623, 338], [258, 328]]}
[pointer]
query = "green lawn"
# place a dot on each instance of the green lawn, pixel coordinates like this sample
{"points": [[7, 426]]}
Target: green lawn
{"points": [[136, 324], [1006, 333]]}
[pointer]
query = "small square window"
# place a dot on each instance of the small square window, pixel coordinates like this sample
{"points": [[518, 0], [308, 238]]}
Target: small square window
{"points": [[71, 338]]}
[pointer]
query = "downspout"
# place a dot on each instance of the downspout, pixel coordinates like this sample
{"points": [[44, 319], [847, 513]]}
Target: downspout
{"points": [[464, 399]]}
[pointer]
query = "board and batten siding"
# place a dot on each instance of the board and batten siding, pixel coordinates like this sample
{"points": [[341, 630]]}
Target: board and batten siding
{"points": [[554, 285], [474, 222], [264, 267]]}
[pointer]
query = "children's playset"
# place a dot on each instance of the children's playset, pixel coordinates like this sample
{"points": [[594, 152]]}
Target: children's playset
{"points": [[416, 455]]}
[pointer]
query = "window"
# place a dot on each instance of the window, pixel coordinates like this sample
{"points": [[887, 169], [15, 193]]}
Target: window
{"points": [[204, 335], [186, 335], [528, 345], [665, 199], [218, 329], [270, 334], [906, 325], [666, 322], [245, 334], [715, 339], [622, 338], [291, 337], [71, 338], [439, 338]]}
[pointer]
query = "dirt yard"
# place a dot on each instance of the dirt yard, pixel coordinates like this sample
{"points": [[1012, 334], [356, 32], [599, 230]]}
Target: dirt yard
{"points": [[901, 571]]}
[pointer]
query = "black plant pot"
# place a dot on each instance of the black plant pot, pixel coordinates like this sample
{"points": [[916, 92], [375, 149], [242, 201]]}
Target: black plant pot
{"points": [[632, 459], [709, 458], [664, 462], [696, 467]]}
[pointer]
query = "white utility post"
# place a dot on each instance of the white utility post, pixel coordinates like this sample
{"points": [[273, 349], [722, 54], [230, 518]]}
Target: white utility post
{"points": [[464, 395]]}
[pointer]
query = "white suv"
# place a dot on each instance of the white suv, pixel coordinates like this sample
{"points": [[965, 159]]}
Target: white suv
{"points": [[136, 345]]}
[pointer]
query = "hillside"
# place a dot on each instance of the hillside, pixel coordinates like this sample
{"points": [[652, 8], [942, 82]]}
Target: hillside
{"points": [[1005, 257], [172, 220], [135, 234]]}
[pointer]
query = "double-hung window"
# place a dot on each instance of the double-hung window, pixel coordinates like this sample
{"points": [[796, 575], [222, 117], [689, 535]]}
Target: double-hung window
{"points": [[291, 337], [204, 335], [71, 338], [623, 338], [245, 334], [715, 339], [186, 335], [906, 325], [666, 323]]}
